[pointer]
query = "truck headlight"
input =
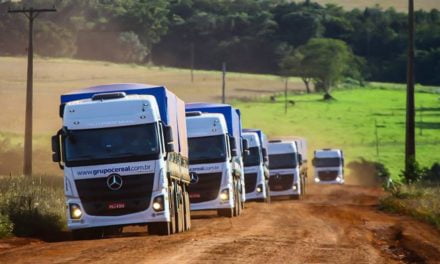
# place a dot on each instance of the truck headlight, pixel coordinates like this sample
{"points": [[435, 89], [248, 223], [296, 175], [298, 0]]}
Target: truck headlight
{"points": [[75, 211], [224, 194], [158, 203], [294, 187], [338, 179], [317, 180], [259, 188]]}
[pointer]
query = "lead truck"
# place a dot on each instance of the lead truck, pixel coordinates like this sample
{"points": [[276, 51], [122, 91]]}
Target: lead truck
{"points": [[215, 155], [256, 161], [123, 149]]}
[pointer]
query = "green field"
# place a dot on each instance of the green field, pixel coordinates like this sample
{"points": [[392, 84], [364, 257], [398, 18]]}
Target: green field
{"points": [[349, 123]]}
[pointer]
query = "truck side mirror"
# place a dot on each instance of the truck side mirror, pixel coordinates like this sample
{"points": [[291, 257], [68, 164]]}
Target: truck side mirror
{"points": [[264, 153], [300, 159], [313, 162], [245, 144], [168, 137], [233, 145], [56, 155]]}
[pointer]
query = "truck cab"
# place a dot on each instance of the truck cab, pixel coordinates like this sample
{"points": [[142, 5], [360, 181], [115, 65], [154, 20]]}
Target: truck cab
{"points": [[256, 166], [328, 166], [213, 160], [284, 164], [123, 150]]}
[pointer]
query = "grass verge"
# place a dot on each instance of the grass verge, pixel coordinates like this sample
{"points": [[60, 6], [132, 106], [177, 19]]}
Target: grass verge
{"points": [[31, 206], [420, 201]]}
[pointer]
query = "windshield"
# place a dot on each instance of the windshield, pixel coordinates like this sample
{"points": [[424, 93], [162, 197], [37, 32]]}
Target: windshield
{"points": [[207, 149], [253, 158], [327, 162], [282, 161], [116, 144]]}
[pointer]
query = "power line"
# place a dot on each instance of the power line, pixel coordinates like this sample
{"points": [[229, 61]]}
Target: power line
{"points": [[31, 14]]}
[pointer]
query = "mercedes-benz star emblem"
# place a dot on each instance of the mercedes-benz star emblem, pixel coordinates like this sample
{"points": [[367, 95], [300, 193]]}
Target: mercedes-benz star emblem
{"points": [[114, 182]]}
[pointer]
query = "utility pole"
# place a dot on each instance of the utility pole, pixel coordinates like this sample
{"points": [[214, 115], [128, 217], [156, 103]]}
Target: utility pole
{"points": [[224, 82], [31, 14], [192, 61], [286, 81], [410, 148]]}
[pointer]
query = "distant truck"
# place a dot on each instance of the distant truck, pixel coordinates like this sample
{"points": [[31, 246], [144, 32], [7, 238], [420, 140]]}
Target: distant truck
{"points": [[285, 169], [328, 166], [215, 155], [256, 161], [123, 148]]}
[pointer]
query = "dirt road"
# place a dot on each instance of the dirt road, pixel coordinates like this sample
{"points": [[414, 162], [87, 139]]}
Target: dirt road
{"points": [[333, 224]]}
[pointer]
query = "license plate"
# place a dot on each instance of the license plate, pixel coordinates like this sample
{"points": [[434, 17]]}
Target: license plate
{"points": [[194, 195], [118, 205], [278, 187]]}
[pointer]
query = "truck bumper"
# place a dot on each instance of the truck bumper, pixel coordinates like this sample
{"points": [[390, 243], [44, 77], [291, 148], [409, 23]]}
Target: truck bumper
{"points": [[89, 221], [287, 192], [212, 205]]}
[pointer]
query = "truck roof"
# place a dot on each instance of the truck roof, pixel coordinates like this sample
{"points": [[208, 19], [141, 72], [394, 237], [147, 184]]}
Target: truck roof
{"points": [[206, 124], [328, 153], [252, 138], [261, 136], [282, 147], [231, 114], [171, 108]]}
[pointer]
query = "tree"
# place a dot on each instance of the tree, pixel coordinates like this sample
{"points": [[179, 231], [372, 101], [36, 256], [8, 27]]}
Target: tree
{"points": [[328, 61], [294, 65]]}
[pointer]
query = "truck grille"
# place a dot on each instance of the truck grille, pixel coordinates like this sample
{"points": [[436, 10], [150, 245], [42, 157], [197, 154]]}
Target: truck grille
{"points": [[327, 175], [134, 195], [206, 189], [280, 182], [250, 182]]}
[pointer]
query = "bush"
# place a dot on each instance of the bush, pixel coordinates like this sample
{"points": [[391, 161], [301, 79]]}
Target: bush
{"points": [[6, 227], [35, 206]]}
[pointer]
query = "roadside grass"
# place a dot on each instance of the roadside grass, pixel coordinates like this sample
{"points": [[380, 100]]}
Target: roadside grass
{"points": [[349, 123], [32, 206], [420, 201]]}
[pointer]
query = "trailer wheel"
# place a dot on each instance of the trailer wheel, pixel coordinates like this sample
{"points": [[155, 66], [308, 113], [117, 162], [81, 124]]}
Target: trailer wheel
{"points": [[187, 210]]}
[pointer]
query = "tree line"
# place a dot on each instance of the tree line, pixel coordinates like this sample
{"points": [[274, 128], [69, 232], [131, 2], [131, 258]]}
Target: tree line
{"points": [[261, 36]]}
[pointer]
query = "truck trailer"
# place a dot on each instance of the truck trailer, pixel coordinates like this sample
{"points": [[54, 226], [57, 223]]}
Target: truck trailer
{"points": [[215, 155], [285, 165], [256, 161], [124, 152]]}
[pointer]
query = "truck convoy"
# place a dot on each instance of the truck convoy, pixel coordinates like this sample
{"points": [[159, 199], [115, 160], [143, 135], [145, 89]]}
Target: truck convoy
{"points": [[285, 165], [124, 152], [329, 166], [215, 156], [256, 161]]}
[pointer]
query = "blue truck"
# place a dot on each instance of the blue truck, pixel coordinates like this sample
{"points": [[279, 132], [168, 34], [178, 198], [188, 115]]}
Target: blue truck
{"points": [[124, 152], [215, 155]]}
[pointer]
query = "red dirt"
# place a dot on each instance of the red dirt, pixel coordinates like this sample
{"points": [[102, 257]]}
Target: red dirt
{"points": [[333, 224]]}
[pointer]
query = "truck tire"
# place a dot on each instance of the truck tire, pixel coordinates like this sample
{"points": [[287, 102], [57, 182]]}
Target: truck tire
{"points": [[180, 212], [267, 199], [165, 228], [187, 210]]}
